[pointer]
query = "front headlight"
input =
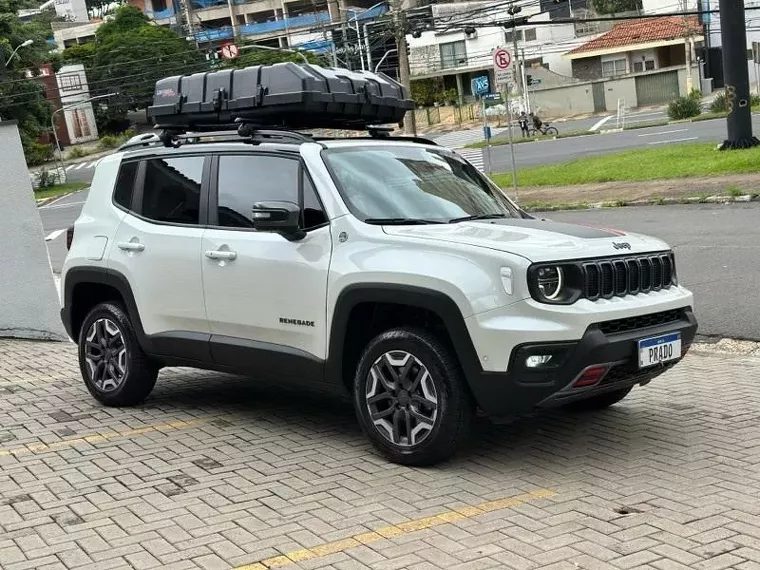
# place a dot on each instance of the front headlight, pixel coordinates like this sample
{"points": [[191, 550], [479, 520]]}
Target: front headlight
{"points": [[549, 281], [557, 284]]}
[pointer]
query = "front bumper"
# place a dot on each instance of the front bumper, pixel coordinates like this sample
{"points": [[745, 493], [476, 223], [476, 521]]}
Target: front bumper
{"points": [[521, 389]]}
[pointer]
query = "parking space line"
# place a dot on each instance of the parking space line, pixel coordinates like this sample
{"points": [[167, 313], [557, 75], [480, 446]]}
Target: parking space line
{"points": [[663, 133], [391, 531], [674, 140], [98, 438]]}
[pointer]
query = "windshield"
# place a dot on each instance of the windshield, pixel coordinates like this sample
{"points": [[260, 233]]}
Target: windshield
{"points": [[408, 184]]}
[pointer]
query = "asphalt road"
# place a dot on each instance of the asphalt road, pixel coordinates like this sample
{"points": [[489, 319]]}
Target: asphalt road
{"points": [[56, 217], [717, 248]]}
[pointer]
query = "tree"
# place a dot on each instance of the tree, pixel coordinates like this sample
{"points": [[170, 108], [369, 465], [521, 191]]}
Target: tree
{"points": [[616, 6], [22, 98], [128, 56], [253, 56]]}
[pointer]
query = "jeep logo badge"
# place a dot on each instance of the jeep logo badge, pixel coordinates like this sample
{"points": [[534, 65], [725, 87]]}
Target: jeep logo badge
{"points": [[621, 245]]}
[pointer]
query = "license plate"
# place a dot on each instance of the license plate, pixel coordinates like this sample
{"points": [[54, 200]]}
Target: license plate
{"points": [[659, 349]]}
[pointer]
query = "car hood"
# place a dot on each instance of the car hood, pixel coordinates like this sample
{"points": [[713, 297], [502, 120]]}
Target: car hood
{"points": [[535, 239]]}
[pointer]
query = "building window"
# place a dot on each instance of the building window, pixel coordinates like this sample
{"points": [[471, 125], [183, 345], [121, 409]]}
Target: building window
{"points": [[509, 35], [649, 64], [453, 54], [614, 67], [70, 82], [530, 35]]}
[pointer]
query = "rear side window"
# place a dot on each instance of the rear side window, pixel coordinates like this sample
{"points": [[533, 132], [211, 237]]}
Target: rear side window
{"points": [[125, 184], [172, 190]]}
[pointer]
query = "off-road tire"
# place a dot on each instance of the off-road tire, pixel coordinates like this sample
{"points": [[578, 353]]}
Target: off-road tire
{"points": [[599, 402], [139, 374], [454, 408]]}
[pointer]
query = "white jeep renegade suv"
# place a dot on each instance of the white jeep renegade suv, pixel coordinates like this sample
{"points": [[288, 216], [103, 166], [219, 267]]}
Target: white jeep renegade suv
{"points": [[388, 268]]}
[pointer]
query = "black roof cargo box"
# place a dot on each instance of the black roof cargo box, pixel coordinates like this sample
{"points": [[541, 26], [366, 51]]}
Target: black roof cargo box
{"points": [[289, 95]]}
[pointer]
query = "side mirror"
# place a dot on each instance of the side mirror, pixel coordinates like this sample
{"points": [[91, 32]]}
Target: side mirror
{"points": [[278, 217]]}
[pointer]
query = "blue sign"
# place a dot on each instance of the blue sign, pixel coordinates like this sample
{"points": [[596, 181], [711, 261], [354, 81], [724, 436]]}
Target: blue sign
{"points": [[480, 85]]}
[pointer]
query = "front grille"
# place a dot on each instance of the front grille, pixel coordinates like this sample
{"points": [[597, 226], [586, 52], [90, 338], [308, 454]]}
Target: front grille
{"points": [[632, 275], [642, 321]]}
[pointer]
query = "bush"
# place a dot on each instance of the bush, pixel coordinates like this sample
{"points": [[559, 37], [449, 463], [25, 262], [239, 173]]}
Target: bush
{"points": [[108, 142], [113, 141], [719, 103], [77, 152], [37, 154], [47, 179], [685, 107]]}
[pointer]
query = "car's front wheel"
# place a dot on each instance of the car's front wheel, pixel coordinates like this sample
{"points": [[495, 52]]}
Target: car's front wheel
{"points": [[410, 397], [115, 369]]}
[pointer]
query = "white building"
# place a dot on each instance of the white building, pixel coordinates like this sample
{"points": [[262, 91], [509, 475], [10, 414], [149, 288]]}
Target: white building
{"points": [[78, 113], [454, 54]]}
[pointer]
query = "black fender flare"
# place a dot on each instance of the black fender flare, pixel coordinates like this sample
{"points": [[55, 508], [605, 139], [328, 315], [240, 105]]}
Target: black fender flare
{"points": [[422, 297], [102, 276]]}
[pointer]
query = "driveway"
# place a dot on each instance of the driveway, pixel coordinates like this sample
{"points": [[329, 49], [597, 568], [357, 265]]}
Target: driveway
{"points": [[218, 472]]}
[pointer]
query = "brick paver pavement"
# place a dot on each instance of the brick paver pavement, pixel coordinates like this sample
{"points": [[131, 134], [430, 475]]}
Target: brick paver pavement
{"points": [[217, 472]]}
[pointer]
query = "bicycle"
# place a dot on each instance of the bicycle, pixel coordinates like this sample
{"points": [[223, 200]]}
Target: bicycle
{"points": [[544, 130]]}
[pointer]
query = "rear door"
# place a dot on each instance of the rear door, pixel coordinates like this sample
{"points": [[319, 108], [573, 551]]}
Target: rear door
{"points": [[265, 295], [158, 249]]}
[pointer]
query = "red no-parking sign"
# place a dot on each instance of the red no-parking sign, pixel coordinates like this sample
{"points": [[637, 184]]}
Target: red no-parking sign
{"points": [[502, 65]]}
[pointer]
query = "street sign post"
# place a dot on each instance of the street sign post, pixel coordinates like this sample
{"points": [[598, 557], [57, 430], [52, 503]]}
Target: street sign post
{"points": [[502, 70], [230, 51], [480, 86], [502, 66]]}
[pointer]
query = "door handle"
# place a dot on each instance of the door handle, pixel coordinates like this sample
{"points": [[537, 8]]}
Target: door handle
{"points": [[131, 246], [218, 254]]}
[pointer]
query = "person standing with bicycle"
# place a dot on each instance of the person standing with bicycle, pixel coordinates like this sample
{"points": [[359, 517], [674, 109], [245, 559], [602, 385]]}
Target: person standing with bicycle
{"points": [[522, 120], [537, 123]]}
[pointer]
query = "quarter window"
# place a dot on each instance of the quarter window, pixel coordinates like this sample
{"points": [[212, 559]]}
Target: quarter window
{"points": [[125, 183], [172, 189]]}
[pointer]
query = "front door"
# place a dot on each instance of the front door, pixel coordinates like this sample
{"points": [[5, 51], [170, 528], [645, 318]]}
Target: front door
{"points": [[265, 295], [158, 249]]}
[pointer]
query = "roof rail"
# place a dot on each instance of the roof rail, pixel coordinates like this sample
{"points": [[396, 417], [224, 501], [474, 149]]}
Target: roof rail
{"points": [[243, 132]]}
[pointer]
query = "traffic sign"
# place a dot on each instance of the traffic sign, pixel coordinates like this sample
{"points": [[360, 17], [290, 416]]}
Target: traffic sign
{"points": [[480, 85], [502, 64], [230, 51]]}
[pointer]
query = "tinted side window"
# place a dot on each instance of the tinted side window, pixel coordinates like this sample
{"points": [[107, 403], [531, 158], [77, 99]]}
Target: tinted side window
{"points": [[125, 183], [173, 189], [313, 214], [246, 180]]}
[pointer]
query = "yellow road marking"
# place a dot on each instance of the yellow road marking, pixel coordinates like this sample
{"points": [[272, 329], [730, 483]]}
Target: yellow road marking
{"points": [[395, 530], [97, 438]]}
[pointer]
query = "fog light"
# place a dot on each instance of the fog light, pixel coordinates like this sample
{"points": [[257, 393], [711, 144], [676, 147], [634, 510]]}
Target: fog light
{"points": [[590, 376], [537, 360]]}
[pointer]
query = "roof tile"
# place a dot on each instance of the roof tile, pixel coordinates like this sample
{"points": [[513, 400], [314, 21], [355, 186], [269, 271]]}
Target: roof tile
{"points": [[643, 31]]}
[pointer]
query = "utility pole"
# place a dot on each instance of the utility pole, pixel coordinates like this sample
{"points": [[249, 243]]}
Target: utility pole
{"points": [[516, 66], [733, 33], [404, 73], [687, 45]]}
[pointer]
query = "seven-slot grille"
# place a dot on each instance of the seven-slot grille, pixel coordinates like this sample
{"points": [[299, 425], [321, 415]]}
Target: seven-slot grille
{"points": [[631, 275]]}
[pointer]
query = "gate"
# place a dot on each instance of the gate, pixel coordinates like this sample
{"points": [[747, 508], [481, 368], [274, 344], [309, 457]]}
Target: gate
{"points": [[657, 88], [600, 100]]}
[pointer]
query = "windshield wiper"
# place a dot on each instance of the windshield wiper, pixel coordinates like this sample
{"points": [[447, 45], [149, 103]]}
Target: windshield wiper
{"points": [[402, 221], [477, 217]]}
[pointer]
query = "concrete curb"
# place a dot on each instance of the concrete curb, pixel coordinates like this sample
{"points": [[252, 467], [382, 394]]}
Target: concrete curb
{"points": [[646, 202]]}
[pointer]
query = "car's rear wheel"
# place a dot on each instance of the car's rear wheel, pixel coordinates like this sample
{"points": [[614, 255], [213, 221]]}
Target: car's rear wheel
{"points": [[115, 369], [410, 397], [599, 402]]}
